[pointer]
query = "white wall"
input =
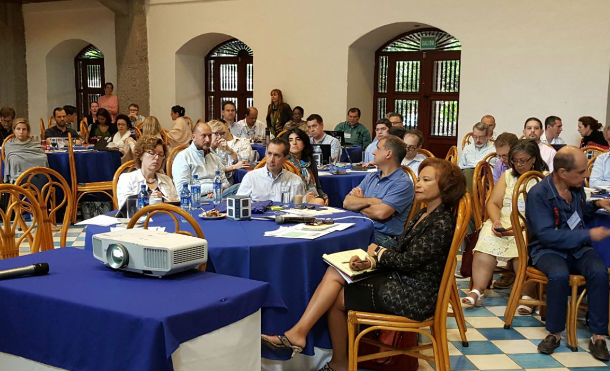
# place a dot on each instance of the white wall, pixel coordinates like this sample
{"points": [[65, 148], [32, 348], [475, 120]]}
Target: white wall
{"points": [[519, 58], [55, 33]]}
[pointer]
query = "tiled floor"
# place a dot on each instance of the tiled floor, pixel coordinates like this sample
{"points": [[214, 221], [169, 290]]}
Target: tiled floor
{"points": [[491, 347]]}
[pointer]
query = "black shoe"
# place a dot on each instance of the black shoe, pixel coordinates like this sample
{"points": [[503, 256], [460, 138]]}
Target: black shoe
{"points": [[599, 349], [549, 344]]}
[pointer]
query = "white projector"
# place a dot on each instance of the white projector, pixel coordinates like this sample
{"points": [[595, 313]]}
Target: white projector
{"points": [[152, 253]]}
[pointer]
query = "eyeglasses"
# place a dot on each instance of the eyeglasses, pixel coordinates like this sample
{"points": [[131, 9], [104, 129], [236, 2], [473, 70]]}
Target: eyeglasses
{"points": [[154, 154], [411, 148], [219, 134], [503, 157], [521, 162]]}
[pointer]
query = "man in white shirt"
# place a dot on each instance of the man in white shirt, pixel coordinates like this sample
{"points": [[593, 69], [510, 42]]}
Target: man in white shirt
{"points": [[315, 126], [253, 128], [382, 129], [198, 159], [552, 128], [491, 123], [532, 129], [228, 115], [474, 152], [414, 140], [268, 182]]}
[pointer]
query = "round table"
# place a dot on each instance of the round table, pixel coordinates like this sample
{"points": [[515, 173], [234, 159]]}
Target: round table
{"points": [[91, 166], [293, 267]]}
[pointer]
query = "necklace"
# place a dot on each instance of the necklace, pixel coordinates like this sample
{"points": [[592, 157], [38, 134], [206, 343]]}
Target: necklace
{"points": [[151, 181]]}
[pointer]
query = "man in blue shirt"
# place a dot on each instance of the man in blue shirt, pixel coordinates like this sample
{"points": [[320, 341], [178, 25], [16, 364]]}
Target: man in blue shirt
{"points": [[560, 244], [386, 195]]}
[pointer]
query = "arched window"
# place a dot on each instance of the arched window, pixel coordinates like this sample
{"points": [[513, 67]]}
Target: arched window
{"points": [[229, 76], [417, 75], [89, 74]]}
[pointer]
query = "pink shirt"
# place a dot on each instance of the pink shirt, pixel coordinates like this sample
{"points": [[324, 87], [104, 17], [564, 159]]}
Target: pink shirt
{"points": [[111, 103]]}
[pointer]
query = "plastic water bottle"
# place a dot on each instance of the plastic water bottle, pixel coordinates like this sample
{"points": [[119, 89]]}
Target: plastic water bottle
{"points": [[142, 197], [217, 188], [317, 155], [267, 136], [185, 197], [195, 193]]}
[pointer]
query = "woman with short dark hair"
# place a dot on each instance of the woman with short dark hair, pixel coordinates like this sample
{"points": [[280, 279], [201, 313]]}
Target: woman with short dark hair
{"points": [[181, 132]]}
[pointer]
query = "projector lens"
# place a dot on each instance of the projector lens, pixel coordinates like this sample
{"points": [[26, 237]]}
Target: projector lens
{"points": [[117, 256]]}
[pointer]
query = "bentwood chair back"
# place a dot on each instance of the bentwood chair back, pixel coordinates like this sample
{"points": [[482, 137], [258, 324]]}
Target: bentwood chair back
{"points": [[592, 151], [287, 166], [466, 139], [172, 211], [21, 201], [3, 143], [138, 132], [425, 152], [415, 206], [53, 195], [42, 129], [590, 164], [172, 157], [81, 189], [437, 324], [451, 155], [126, 167], [84, 130], [482, 184], [164, 136], [527, 274], [51, 122]]}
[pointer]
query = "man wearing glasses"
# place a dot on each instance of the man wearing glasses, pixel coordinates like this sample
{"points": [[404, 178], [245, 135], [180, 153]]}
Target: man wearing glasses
{"points": [[532, 129], [474, 152], [198, 159], [503, 145], [414, 140]]}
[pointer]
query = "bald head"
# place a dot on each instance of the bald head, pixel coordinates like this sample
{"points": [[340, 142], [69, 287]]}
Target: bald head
{"points": [[251, 116], [202, 136], [570, 167]]}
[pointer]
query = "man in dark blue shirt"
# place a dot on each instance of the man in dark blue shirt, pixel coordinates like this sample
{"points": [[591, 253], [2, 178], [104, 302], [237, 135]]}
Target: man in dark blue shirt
{"points": [[560, 245]]}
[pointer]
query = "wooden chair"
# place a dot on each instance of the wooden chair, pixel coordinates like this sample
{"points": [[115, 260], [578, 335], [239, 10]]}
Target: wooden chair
{"points": [[189, 121], [437, 323], [590, 164], [287, 166], [452, 155], [21, 200], [528, 274], [124, 168], [279, 135], [50, 199], [42, 129], [51, 122], [171, 157], [81, 189], [482, 184], [3, 143], [171, 210], [84, 130], [164, 136], [592, 151], [466, 139], [425, 152], [415, 206], [139, 133]]}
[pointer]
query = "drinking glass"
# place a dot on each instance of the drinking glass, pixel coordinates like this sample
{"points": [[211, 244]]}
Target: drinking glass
{"points": [[53, 144], [285, 196]]}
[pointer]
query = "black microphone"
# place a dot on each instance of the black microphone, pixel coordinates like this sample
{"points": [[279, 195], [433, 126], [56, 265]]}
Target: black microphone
{"points": [[281, 219], [37, 269]]}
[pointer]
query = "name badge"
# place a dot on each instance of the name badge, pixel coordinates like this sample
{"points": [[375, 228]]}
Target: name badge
{"points": [[521, 205], [347, 135], [574, 220]]}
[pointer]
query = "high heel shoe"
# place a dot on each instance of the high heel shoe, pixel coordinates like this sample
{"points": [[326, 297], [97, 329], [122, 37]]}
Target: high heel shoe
{"points": [[285, 344]]}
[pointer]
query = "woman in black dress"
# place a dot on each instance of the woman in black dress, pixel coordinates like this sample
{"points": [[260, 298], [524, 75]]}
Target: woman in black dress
{"points": [[409, 275]]}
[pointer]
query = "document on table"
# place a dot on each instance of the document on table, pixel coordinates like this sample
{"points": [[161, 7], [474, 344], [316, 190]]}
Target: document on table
{"points": [[298, 231], [102, 220], [326, 210]]}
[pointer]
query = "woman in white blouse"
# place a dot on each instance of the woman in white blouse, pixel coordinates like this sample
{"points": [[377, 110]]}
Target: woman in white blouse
{"points": [[149, 155], [122, 140]]}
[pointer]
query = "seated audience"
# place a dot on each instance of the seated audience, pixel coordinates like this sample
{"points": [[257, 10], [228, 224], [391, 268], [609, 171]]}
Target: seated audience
{"points": [[278, 112], [229, 112], [71, 117], [134, 114], [22, 152], [151, 127], [409, 274], [60, 130], [600, 174], [386, 195], [552, 128], [181, 131], [560, 245], [588, 128], [266, 183], [490, 121], [103, 129], [297, 120], [233, 151], [414, 139], [494, 245], [198, 158], [532, 129], [301, 156], [315, 126], [7, 115], [109, 101], [92, 116], [122, 140], [395, 119], [149, 155], [254, 129], [479, 148], [354, 132], [503, 144], [382, 128]]}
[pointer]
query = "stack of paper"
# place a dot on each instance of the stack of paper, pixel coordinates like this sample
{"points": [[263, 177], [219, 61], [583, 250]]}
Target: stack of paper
{"points": [[298, 231]]}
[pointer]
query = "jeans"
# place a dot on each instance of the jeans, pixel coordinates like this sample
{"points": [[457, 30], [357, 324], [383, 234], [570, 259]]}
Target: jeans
{"points": [[558, 269], [385, 240]]}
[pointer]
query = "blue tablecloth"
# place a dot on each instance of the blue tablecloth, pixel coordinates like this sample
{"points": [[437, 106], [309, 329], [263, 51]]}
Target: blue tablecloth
{"points": [[602, 247], [91, 166], [293, 267], [260, 148], [338, 186], [84, 316], [355, 154]]}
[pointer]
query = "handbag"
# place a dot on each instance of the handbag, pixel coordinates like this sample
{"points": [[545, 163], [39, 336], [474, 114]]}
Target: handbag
{"points": [[397, 339]]}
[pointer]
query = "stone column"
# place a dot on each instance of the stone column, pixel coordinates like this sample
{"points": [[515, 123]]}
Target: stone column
{"points": [[13, 74]]}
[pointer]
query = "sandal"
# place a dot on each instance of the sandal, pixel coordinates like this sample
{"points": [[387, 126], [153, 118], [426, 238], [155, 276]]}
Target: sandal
{"points": [[284, 344], [469, 302], [524, 310]]}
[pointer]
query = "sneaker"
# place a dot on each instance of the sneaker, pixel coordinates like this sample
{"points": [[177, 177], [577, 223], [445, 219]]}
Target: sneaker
{"points": [[599, 349], [505, 281], [549, 344]]}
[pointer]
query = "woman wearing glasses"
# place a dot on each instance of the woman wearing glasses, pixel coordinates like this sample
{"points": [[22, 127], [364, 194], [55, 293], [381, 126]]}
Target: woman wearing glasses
{"points": [[149, 155], [496, 238], [233, 151]]}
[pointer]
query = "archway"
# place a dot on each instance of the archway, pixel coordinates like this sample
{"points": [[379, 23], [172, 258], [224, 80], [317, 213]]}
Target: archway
{"points": [[90, 78]]}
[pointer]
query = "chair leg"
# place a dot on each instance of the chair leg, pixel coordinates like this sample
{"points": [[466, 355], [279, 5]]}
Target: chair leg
{"points": [[572, 319], [456, 304], [351, 335], [513, 300]]}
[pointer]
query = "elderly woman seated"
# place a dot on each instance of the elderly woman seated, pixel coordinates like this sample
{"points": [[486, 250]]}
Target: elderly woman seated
{"points": [[496, 238], [409, 275], [22, 152], [122, 140], [149, 156], [301, 155]]}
